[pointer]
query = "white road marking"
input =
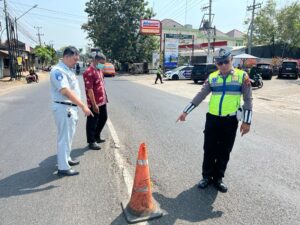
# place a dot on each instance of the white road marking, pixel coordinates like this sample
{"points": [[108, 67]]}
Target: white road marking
{"points": [[128, 179]]}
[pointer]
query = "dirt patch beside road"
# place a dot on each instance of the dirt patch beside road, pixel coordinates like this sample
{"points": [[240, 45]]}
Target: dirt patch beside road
{"points": [[6, 85]]}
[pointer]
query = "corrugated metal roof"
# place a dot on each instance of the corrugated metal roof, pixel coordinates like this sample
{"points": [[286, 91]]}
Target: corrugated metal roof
{"points": [[4, 52]]}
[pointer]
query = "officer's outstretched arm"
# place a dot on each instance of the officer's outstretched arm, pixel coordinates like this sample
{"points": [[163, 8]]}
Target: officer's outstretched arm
{"points": [[201, 95]]}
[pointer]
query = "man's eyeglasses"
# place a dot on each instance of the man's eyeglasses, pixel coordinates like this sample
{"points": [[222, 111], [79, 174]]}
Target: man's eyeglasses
{"points": [[223, 62]]}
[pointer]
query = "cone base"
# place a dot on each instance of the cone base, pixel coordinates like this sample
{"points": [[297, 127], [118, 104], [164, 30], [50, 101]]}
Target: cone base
{"points": [[131, 219]]}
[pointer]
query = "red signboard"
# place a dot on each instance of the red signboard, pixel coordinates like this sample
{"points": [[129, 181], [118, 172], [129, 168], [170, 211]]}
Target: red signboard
{"points": [[152, 27]]}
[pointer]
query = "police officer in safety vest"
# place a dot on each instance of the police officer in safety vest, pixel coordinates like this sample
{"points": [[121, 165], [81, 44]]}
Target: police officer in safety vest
{"points": [[66, 99], [226, 86]]}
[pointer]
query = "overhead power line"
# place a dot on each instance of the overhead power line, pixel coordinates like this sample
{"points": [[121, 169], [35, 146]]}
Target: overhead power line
{"points": [[56, 17], [51, 11]]}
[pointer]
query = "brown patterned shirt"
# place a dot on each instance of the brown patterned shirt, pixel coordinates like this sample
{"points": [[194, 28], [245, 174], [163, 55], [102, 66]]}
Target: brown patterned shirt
{"points": [[94, 79]]}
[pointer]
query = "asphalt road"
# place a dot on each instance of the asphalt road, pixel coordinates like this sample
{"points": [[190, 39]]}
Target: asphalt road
{"points": [[263, 173], [30, 191]]}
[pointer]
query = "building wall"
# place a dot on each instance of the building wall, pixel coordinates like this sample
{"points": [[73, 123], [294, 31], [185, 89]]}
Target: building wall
{"points": [[200, 37]]}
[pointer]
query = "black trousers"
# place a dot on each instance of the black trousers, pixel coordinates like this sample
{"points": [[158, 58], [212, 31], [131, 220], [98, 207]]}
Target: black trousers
{"points": [[158, 76], [219, 137], [94, 125]]}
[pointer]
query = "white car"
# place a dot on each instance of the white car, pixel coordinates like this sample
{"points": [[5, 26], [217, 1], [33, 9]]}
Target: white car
{"points": [[182, 73]]}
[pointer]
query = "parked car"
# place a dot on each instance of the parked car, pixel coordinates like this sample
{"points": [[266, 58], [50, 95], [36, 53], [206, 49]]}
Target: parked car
{"points": [[265, 70], [182, 72], [109, 70], [201, 71], [289, 68]]}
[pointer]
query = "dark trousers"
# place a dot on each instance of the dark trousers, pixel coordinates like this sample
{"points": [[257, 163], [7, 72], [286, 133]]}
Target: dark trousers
{"points": [[158, 76], [219, 137], [94, 125]]}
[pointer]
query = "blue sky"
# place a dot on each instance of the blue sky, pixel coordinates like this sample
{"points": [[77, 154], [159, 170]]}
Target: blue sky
{"points": [[61, 20], [229, 14]]}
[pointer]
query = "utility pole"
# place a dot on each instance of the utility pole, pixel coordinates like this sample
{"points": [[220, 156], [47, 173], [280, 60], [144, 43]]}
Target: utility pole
{"points": [[209, 33], [51, 43], [11, 70], [252, 8], [16, 23], [185, 12], [206, 25], [39, 34], [214, 39]]}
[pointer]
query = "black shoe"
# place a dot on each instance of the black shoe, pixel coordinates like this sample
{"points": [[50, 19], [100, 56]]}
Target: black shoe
{"points": [[99, 140], [73, 163], [219, 184], [204, 183], [94, 146], [69, 172]]}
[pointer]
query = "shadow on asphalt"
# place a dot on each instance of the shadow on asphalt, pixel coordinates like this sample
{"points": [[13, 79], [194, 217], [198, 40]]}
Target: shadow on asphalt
{"points": [[192, 205], [119, 220], [29, 181]]}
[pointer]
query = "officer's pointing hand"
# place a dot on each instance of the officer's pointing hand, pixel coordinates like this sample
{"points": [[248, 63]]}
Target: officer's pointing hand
{"points": [[87, 111], [181, 117], [245, 128]]}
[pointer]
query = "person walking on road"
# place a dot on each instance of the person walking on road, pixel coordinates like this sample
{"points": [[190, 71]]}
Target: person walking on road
{"points": [[66, 95], [97, 100], [227, 85], [158, 75]]}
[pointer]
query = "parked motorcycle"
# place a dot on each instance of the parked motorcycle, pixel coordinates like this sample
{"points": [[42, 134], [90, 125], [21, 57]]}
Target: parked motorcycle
{"points": [[32, 77], [257, 81]]}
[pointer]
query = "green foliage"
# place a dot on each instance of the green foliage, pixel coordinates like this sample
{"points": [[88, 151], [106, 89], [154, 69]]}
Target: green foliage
{"points": [[277, 26], [113, 25], [265, 25], [46, 54], [288, 20]]}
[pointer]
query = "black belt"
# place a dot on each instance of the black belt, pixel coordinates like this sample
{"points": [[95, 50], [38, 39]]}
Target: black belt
{"points": [[66, 103], [226, 116]]}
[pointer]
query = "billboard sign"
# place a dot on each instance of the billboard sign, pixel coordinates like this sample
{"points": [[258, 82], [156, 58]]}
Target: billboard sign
{"points": [[179, 36], [171, 52], [152, 27], [155, 60]]}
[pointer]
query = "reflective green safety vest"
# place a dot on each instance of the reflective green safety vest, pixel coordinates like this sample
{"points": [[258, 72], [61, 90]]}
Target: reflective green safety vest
{"points": [[226, 93]]}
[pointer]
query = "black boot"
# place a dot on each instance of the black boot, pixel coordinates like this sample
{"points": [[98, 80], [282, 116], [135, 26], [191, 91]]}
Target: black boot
{"points": [[219, 184], [94, 146], [204, 183], [99, 140]]}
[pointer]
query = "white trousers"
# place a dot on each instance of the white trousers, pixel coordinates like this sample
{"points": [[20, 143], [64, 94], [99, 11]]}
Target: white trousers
{"points": [[66, 119]]}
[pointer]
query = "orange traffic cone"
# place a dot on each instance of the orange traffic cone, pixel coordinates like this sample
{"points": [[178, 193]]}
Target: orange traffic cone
{"points": [[141, 206]]}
